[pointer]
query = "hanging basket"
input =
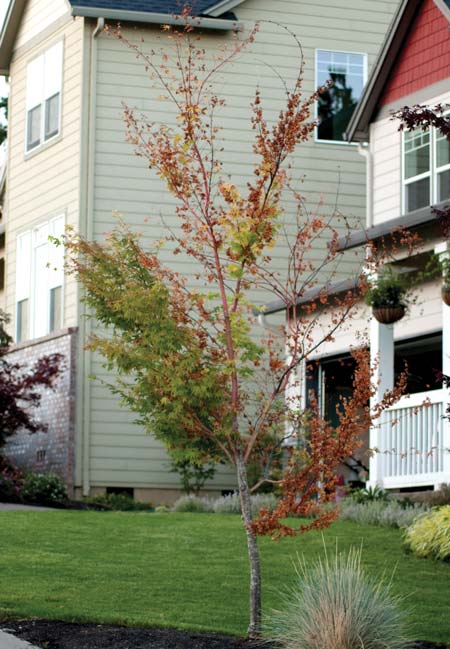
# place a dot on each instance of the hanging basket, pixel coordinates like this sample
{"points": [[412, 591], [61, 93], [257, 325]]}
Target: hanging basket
{"points": [[445, 293], [388, 314]]}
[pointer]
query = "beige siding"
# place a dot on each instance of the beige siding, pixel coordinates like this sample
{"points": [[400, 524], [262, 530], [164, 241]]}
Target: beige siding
{"points": [[334, 172], [385, 144], [45, 183], [424, 316], [386, 148], [37, 16]]}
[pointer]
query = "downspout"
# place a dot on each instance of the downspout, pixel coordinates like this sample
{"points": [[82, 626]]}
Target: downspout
{"points": [[278, 330], [365, 152], [88, 233]]}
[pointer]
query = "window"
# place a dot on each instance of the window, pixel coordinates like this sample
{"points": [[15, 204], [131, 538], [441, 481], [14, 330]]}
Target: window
{"points": [[335, 107], [44, 80], [39, 281], [426, 169]]}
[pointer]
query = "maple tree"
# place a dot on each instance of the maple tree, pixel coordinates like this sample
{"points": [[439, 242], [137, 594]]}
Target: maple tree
{"points": [[185, 352], [21, 388]]}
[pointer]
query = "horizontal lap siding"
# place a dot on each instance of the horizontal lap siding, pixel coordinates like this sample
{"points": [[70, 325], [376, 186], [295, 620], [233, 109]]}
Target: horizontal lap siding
{"points": [[386, 150], [333, 173], [423, 316], [46, 183], [38, 15], [424, 58]]}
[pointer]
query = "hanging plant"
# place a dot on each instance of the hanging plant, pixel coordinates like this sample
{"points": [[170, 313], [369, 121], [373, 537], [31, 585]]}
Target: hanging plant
{"points": [[388, 297]]}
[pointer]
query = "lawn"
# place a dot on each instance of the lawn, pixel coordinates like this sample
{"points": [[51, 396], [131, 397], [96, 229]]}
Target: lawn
{"points": [[184, 570]]}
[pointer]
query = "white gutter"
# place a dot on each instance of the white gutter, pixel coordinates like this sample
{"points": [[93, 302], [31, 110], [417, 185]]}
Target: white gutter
{"points": [[365, 152], [275, 329], [155, 18], [85, 325]]}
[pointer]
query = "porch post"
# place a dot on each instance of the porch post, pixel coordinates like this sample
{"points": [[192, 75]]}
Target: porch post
{"points": [[382, 359], [443, 249]]}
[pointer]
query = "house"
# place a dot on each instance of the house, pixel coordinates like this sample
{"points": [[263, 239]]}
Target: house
{"points": [[69, 164], [408, 173]]}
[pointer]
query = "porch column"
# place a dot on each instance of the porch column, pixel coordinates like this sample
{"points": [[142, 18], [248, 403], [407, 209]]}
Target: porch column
{"points": [[382, 359], [443, 249]]}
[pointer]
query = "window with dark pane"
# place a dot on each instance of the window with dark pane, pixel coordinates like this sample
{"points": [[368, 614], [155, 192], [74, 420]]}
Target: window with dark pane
{"points": [[417, 169], [335, 106], [52, 116], [22, 326], [34, 127], [56, 308], [442, 167]]}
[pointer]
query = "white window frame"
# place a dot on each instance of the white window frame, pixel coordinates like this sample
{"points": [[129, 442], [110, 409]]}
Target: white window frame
{"points": [[432, 173], [438, 170], [48, 88], [29, 244], [316, 81]]}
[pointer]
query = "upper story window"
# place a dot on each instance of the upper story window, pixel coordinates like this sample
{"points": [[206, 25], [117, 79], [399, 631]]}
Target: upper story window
{"points": [[426, 169], [39, 281], [348, 72], [44, 82]]}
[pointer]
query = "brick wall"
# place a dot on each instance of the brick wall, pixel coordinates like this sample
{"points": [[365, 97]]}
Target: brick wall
{"points": [[425, 56], [53, 450]]}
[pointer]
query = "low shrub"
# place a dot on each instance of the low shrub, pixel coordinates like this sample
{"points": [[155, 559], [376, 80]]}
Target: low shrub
{"points": [[43, 488], [434, 498], [231, 504], [429, 535], [119, 502], [334, 605], [193, 504], [227, 504], [385, 514], [369, 494], [11, 481]]}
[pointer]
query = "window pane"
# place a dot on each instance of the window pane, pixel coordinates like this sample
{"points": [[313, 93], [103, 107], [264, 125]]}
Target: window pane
{"points": [[417, 194], [51, 116], [56, 308], [22, 320], [442, 151], [336, 105], [34, 127], [417, 153], [443, 185]]}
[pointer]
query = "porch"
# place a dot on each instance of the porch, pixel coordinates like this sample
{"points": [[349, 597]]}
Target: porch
{"points": [[410, 444]]}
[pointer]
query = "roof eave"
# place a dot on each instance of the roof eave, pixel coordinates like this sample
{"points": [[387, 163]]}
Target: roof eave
{"points": [[155, 18], [358, 127], [219, 8], [8, 34], [310, 296], [412, 221]]}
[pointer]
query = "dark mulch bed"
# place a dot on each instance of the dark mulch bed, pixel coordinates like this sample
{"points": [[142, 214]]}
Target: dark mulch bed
{"points": [[64, 635]]}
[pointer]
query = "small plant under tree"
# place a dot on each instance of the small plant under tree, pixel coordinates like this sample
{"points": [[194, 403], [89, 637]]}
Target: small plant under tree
{"points": [[188, 363]]}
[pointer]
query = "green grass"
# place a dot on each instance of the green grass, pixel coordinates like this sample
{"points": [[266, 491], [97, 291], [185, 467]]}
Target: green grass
{"points": [[184, 570]]}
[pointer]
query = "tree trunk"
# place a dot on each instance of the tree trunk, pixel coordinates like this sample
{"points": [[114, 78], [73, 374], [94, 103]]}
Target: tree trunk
{"points": [[254, 629]]}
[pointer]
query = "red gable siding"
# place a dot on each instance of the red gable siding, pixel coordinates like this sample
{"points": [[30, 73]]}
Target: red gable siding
{"points": [[425, 57]]}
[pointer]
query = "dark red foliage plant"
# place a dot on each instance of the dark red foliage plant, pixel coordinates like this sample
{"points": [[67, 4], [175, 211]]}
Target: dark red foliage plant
{"points": [[21, 388]]}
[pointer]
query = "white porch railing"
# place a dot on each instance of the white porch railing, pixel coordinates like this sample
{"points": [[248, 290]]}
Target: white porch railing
{"points": [[411, 442]]}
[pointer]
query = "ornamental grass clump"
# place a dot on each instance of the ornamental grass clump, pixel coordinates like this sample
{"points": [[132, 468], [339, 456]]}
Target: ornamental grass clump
{"points": [[231, 504], [334, 605], [384, 514], [429, 536], [192, 504]]}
